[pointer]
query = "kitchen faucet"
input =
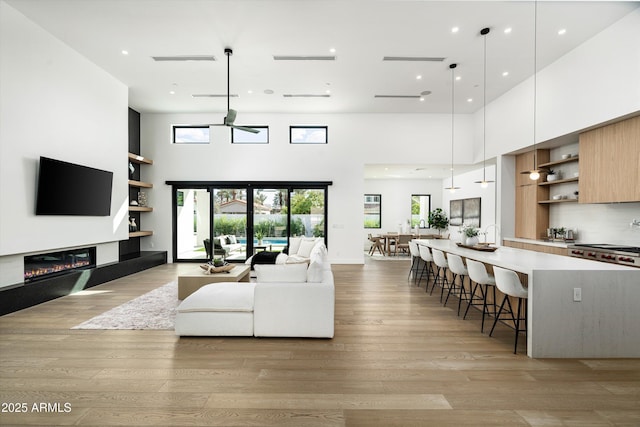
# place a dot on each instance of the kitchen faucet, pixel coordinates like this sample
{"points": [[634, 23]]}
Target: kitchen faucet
{"points": [[486, 230]]}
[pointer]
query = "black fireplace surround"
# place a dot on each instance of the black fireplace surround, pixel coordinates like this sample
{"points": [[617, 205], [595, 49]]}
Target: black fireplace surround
{"points": [[60, 283], [52, 264]]}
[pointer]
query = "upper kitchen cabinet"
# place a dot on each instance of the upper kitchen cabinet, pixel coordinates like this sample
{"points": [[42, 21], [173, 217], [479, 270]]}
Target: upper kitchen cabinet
{"points": [[610, 163]]}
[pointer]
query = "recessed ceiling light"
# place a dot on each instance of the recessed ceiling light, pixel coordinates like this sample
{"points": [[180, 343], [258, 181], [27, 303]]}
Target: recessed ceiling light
{"points": [[507, 30], [418, 77], [469, 99], [125, 52], [332, 50], [505, 73], [422, 98], [172, 92], [458, 77], [249, 91], [455, 29], [561, 31], [327, 91]]}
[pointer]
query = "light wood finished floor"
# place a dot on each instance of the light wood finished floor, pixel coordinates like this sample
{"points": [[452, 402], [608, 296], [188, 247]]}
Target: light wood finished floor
{"points": [[398, 359]]}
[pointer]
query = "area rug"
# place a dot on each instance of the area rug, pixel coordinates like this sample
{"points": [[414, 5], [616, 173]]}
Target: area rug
{"points": [[153, 310]]}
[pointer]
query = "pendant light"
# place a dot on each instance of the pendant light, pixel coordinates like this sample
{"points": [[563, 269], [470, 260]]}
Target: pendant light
{"points": [[484, 183], [452, 188], [534, 173]]}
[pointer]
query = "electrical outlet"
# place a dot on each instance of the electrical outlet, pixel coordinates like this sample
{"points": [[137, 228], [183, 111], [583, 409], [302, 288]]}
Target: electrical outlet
{"points": [[577, 294]]}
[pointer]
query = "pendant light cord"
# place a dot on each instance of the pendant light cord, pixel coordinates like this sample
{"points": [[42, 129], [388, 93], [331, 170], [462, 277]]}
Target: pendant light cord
{"points": [[484, 111], [453, 83], [228, 82], [535, 86]]}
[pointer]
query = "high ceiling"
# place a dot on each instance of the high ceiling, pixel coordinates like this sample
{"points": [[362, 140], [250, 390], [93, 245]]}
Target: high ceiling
{"points": [[361, 32]]}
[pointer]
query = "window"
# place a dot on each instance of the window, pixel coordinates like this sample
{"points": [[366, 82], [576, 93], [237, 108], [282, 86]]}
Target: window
{"points": [[239, 136], [372, 211], [308, 134], [191, 134]]}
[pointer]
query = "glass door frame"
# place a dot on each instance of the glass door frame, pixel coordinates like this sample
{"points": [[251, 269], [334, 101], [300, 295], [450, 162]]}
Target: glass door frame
{"points": [[290, 186]]}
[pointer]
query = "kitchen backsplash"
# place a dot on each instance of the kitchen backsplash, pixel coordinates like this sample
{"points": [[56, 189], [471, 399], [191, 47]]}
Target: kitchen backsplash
{"points": [[599, 223]]}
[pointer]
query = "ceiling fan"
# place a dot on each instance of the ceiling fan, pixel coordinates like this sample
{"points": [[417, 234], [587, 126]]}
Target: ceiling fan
{"points": [[231, 114]]}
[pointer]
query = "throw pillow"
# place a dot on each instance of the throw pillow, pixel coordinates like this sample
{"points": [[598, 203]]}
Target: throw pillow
{"points": [[306, 246], [264, 257], [282, 273], [315, 272], [232, 239], [294, 245]]}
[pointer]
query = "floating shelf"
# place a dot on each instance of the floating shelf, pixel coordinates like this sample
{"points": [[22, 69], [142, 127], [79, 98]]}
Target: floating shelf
{"points": [[558, 201], [135, 158], [140, 233], [559, 162], [140, 209], [133, 183], [559, 181]]}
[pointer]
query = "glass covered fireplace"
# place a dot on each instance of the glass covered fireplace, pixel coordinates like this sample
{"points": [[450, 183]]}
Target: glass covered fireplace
{"points": [[40, 266]]}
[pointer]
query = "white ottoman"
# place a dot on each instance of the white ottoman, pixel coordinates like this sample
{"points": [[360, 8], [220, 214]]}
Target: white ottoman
{"points": [[218, 309]]}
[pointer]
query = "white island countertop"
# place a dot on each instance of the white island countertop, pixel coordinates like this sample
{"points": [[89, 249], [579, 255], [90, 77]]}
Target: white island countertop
{"points": [[523, 260], [602, 322]]}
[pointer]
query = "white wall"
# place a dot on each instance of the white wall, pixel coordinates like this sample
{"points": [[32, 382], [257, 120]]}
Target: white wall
{"points": [[54, 103], [396, 201], [354, 140], [470, 189], [596, 82]]}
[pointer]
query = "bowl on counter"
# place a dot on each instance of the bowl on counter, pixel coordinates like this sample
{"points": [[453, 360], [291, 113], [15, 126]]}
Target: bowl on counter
{"points": [[557, 197]]}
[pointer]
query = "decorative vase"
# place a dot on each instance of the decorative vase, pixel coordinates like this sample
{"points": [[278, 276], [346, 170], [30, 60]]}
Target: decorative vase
{"points": [[552, 177], [472, 241]]}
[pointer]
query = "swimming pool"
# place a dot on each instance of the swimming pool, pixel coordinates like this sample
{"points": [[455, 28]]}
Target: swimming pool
{"points": [[266, 241]]}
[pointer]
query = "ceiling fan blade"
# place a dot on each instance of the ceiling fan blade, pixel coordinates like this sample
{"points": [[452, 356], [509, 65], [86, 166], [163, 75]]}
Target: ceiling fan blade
{"points": [[246, 129], [231, 117]]}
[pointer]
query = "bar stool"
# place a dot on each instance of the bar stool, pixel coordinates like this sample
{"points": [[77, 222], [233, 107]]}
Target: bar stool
{"points": [[442, 266], [458, 269], [483, 280], [415, 260], [427, 258], [508, 282]]}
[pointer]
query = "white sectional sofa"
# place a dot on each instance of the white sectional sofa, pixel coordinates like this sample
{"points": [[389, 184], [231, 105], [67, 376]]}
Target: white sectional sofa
{"points": [[286, 300]]}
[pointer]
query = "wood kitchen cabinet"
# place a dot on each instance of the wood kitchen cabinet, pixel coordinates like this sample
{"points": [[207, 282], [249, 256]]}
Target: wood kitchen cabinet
{"points": [[610, 163], [532, 217]]}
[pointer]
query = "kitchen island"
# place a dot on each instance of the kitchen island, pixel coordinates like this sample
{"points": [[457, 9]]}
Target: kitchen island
{"points": [[605, 323]]}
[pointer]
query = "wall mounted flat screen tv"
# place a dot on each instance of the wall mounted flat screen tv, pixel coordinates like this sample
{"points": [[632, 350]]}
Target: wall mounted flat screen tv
{"points": [[69, 189]]}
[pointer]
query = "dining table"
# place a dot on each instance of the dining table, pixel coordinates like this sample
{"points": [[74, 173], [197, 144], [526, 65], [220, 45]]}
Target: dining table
{"points": [[387, 238]]}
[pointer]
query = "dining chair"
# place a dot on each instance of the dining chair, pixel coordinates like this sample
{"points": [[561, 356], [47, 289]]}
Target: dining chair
{"points": [[403, 243], [375, 244], [508, 282], [392, 240]]}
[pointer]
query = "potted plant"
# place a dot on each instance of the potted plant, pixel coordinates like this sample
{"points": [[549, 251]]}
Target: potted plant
{"points": [[438, 219], [552, 175], [259, 236], [470, 234]]}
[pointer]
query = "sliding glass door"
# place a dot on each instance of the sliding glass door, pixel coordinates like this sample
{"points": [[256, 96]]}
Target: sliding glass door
{"points": [[270, 219], [308, 212], [192, 223], [232, 221]]}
